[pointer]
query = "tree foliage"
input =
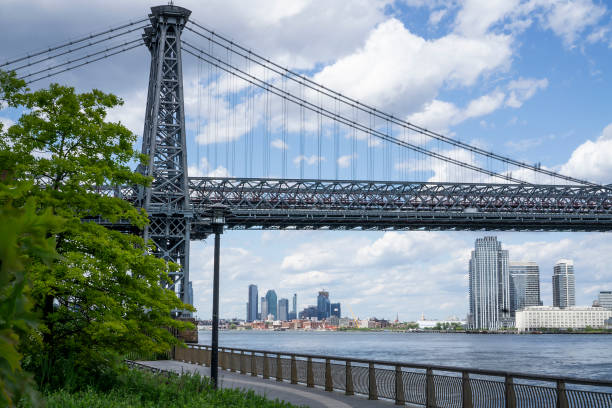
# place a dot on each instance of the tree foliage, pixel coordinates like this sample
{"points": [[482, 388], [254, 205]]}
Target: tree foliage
{"points": [[24, 237], [102, 297]]}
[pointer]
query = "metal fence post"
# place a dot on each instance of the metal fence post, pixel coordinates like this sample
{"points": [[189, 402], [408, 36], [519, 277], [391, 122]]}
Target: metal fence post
{"points": [[561, 395], [372, 390], [242, 362], [510, 395], [266, 369], [349, 379], [294, 379], [230, 359], [430, 391], [279, 368], [253, 364], [466, 390], [329, 385], [400, 399], [309, 373]]}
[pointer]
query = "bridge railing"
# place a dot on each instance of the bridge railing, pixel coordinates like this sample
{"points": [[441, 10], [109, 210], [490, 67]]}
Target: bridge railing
{"points": [[415, 384]]}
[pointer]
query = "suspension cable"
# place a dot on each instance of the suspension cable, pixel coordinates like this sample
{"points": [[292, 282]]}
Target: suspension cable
{"points": [[71, 50], [304, 81], [81, 58], [220, 64], [85, 63], [69, 43]]}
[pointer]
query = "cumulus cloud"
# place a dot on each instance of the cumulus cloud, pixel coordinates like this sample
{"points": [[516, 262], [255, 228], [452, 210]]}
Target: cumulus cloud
{"points": [[404, 81], [591, 160], [568, 19]]}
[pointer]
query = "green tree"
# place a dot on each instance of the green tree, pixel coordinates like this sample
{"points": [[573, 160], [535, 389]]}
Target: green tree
{"points": [[102, 297], [23, 237]]}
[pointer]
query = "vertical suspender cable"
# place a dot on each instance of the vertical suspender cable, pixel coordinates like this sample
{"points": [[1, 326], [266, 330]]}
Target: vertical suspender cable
{"points": [[199, 104]]}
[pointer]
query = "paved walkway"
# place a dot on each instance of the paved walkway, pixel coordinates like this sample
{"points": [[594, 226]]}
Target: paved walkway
{"points": [[295, 394]]}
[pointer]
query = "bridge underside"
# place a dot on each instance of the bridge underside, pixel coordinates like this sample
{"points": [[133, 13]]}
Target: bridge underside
{"points": [[366, 205]]}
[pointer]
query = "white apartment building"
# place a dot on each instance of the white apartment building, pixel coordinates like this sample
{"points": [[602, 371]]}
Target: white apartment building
{"points": [[549, 317]]}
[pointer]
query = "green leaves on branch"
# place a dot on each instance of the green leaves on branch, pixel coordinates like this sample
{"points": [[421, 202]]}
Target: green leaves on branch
{"points": [[101, 298], [24, 239]]}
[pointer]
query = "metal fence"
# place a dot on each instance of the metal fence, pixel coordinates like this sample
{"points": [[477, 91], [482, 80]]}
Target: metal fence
{"points": [[429, 386]]}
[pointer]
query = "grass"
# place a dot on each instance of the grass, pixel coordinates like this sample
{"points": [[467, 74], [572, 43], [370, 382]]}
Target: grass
{"points": [[135, 388]]}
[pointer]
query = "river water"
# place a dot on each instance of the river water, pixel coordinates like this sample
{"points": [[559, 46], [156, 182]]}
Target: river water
{"points": [[568, 355]]}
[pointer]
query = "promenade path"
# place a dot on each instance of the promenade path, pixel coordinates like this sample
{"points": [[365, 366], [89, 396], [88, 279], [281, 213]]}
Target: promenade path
{"points": [[296, 394]]}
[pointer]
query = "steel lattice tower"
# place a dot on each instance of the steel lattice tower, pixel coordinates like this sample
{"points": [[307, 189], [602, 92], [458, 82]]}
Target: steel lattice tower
{"points": [[164, 142]]}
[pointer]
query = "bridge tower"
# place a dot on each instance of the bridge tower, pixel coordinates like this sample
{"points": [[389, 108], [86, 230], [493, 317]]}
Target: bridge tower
{"points": [[164, 141]]}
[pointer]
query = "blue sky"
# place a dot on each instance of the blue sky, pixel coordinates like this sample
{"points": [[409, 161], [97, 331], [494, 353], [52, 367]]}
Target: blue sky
{"points": [[528, 79]]}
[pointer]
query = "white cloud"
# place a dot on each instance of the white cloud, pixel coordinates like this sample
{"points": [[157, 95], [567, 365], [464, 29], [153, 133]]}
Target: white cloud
{"points": [[407, 80], [279, 144], [6, 123], [440, 115], [345, 160], [484, 104], [310, 160], [591, 160], [204, 169], [523, 89], [436, 16], [477, 16], [568, 19]]}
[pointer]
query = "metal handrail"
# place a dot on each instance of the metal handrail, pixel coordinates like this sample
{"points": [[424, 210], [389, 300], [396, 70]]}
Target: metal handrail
{"points": [[492, 373], [428, 386]]}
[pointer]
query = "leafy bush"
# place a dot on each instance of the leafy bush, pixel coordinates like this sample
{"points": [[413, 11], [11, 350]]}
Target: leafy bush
{"points": [[142, 389]]}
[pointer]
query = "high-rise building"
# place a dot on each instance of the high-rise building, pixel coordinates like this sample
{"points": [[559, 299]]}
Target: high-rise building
{"points": [[295, 305], [309, 312], [605, 299], [335, 310], [252, 304], [564, 284], [272, 303], [264, 309], [524, 285], [489, 285], [323, 305], [283, 309]]}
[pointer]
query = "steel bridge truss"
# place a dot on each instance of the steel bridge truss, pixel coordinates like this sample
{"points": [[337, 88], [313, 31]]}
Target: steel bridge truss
{"points": [[369, 205]]}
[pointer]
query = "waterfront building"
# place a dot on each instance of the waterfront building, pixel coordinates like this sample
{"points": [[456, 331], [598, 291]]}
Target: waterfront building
{"points": [[332, 321], [252, 308], [605, 299], [572, 317], [264, 309], [323, 305], [272, 303], [309, 313], [564, 284], [283, 310], [524, 285], [335, 310], [489, 285]]}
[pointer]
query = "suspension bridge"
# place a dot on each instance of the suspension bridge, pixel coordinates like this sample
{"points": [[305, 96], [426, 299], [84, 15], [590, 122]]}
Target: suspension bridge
{"points": [[353, 166]]}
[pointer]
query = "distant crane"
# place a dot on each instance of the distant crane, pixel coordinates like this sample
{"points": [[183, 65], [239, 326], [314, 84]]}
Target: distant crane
{"points": [[355, 320]]}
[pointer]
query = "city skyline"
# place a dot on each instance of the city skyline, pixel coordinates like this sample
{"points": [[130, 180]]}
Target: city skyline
{"points": [[409, 312]]}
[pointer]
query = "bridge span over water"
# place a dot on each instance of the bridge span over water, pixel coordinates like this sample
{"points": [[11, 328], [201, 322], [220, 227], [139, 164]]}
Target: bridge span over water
{"points": [[432, 181]]}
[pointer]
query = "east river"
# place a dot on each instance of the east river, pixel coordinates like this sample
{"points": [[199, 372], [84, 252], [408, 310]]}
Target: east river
{"points": [[568, 355]]}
